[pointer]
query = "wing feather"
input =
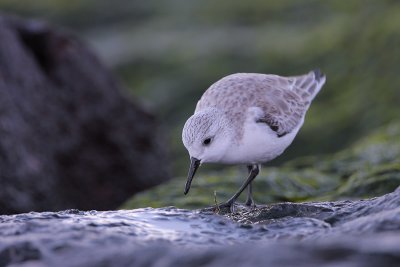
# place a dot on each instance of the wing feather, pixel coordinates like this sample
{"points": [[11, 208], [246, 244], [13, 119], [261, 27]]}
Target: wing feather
{"points": [[289, 99], [282, 100]]}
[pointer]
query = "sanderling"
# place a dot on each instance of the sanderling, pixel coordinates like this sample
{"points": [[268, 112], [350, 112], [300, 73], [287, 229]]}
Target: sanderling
{"points": [[248, 118]]}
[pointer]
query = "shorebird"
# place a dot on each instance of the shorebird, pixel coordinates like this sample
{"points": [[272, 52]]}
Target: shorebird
{"points": [[248, 118]]}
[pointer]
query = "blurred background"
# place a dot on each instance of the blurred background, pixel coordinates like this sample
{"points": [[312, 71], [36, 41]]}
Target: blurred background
{"points": [[168, 52]]}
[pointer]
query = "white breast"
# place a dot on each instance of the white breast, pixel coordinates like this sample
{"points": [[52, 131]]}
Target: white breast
{"points": [[259, 144]]}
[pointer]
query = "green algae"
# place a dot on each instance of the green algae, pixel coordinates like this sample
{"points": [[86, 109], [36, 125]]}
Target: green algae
{"points": [[370, 167]]}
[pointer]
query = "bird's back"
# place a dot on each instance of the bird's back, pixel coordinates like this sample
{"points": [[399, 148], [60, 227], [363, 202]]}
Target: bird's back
{"points": [[284, 100]]}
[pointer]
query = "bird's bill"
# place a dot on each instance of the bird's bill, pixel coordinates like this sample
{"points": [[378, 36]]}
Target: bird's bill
{"points": [[194, 165]]}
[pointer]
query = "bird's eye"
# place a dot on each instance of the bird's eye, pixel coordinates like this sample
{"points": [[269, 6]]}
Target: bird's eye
{"points": [[207, 141]]}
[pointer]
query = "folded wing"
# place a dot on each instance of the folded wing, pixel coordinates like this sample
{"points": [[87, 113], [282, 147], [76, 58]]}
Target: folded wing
{"points": [[287, 101]]}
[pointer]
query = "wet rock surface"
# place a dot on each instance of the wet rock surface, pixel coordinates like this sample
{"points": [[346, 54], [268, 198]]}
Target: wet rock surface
{"points": [[341, 233], [69, 136]]}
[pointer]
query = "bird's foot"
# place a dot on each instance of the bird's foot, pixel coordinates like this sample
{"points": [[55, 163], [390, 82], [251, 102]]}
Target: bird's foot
{"points": [[230, 207], [226, 207], [250, 203]]}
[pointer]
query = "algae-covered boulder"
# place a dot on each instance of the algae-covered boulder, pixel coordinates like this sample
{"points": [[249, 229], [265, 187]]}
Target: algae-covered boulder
{"points": [[369, 167]]}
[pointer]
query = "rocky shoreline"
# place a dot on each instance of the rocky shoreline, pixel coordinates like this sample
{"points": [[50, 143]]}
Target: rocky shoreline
{"points": [[343, 233]]}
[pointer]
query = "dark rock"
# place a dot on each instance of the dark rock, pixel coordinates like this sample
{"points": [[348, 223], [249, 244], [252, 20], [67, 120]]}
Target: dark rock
{"points": [[19, 252], [342, 233], [69, 138]]}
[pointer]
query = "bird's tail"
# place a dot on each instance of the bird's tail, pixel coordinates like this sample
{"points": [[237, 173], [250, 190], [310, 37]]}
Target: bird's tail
{"points": [[308, 85]]}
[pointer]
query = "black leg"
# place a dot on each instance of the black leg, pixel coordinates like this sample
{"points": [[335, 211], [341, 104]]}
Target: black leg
{"points": [[253, 172], [249, 200]]}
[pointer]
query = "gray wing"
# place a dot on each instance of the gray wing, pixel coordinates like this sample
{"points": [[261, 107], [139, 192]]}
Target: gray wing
{"points": [[288, 100], [283, 100], [282, 113]]}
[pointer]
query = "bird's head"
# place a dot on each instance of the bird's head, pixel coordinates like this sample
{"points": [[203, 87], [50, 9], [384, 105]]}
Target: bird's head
{"points": [[206, 135]]}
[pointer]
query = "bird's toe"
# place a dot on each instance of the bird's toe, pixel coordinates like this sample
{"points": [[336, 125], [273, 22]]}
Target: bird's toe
{"points": [[226, 207]]}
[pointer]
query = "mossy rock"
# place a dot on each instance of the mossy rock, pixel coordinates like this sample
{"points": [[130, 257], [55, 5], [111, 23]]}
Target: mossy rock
{"points": [[370, 167], [272, 185]]}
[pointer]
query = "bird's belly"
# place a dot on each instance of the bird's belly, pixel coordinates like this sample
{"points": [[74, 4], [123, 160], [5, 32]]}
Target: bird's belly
{"points": [[258, 144]]}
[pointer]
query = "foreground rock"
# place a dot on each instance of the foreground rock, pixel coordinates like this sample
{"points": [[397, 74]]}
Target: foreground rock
{"points": [[69, 138], [343, 233]]}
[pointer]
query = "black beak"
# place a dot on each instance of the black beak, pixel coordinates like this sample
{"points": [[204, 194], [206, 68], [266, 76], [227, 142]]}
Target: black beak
{"points": [[194, 164]]}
